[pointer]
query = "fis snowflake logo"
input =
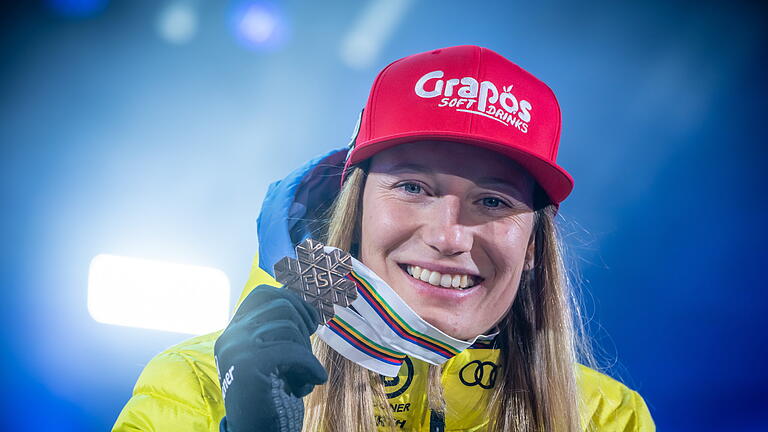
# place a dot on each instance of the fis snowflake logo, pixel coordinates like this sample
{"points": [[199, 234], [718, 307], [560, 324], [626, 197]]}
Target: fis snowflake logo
{"points": [[476, 98]]}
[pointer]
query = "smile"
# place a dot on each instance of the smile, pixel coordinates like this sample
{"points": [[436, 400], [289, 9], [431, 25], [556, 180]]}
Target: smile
{"points": [[455, 281]]}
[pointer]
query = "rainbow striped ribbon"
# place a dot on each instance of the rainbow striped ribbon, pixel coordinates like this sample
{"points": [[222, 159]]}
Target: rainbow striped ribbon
{"points": [[379, 329]]}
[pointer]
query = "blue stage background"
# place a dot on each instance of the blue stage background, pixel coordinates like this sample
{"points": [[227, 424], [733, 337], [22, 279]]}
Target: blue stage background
{"points": [[127, 130]]}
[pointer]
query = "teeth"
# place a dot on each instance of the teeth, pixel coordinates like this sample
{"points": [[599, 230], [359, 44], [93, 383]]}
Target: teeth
{"points": [[439, 279], [434, 278], [425, 275]]}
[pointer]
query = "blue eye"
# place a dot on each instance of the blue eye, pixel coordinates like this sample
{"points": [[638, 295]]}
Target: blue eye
{"points": [[492, 202], [412, 188]]}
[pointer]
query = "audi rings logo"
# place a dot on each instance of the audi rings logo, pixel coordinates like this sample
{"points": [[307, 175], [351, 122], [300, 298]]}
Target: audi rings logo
{"points": [[477, 373]]}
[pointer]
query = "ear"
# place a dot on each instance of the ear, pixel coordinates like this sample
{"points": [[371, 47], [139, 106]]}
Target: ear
{"points": [[529, 255]]}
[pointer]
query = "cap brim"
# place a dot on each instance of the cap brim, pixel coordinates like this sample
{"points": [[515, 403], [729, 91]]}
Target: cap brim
{"points": [[555, 181]]}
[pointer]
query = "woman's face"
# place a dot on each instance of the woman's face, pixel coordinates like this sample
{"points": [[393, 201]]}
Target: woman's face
{"points": [[448, 227]]}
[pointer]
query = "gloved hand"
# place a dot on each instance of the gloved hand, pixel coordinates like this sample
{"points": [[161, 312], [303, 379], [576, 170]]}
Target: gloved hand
{"points": [[265, 362]]}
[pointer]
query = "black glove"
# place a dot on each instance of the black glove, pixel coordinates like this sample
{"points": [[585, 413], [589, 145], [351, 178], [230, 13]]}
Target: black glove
{"points": [[265, 362]]}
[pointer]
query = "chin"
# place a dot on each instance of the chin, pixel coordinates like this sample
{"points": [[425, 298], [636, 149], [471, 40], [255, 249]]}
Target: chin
{"points": [[452, 329]]}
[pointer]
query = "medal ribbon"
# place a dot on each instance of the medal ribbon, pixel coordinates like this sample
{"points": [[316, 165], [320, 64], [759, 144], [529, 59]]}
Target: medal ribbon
{"points": [[378, 329]]}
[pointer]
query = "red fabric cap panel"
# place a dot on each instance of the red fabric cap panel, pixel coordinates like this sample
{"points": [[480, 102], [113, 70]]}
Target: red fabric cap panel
{"points": [[470, 94]]}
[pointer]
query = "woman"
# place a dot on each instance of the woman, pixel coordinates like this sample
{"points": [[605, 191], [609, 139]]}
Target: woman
{"points": [[450, 191]]}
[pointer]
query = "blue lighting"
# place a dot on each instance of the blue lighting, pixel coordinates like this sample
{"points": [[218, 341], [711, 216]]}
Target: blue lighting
{"points": [[154, 129], [259, 25], [77, 8]]}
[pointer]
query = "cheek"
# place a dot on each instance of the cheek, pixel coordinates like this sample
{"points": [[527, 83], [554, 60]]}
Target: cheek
{"points": [[384, 227], [506, 243]]}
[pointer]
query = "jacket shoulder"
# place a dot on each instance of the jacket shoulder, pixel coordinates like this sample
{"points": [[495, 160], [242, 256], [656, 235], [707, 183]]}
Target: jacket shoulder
{"points": [[609, 405], [178, 390]]}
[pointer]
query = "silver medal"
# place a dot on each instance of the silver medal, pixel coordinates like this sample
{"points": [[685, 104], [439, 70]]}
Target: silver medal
{"points": [[318, 277]]}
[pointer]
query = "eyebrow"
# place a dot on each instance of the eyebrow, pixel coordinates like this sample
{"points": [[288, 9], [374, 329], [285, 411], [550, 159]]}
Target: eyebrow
{"points": [[409, 166], [485, 181]]}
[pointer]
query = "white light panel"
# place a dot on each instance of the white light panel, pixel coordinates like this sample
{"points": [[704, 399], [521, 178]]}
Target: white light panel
{"points": [[157, 295]]}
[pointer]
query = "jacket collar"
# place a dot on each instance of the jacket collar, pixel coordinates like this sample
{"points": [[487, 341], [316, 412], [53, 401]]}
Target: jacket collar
{"points": [[293, 207]]}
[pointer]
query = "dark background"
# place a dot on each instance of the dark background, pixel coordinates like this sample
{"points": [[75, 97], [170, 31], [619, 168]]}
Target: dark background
{"points": [[127, 131]]}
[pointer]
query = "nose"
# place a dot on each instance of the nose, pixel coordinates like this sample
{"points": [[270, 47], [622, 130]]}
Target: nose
{"points": [[444, 232]]}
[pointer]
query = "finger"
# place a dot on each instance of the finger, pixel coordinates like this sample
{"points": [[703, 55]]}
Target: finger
{"points": [[273, 310], [267, 302], [280, 331], [310, 318], [301, 371]]}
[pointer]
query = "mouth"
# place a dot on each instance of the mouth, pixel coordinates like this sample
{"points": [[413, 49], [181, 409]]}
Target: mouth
{"points": [[456, 281]]}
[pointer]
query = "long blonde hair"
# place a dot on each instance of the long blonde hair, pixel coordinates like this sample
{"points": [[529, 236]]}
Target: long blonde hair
{"points": [[540, 339]]}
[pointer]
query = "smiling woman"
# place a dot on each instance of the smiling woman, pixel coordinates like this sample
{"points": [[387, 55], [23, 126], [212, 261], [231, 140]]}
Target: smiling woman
{"points": [[464, 211], [448, 198], [441, 219]]}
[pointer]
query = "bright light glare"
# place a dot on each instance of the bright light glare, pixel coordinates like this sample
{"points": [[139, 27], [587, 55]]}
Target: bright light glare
{"points": [[364, 41], [136, 292], [259, 25], [177, 22]]}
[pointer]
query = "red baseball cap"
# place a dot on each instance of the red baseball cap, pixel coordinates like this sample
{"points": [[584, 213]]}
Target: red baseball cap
{"points": [[471, 95]]}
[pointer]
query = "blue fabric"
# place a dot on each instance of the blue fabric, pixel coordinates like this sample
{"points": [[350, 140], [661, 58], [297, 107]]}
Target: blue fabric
{"points": [[293, 206]]}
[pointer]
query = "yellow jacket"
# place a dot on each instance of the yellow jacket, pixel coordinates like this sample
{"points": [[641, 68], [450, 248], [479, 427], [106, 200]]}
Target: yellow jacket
{"points": [[179, 391]]}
